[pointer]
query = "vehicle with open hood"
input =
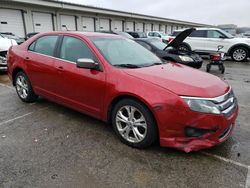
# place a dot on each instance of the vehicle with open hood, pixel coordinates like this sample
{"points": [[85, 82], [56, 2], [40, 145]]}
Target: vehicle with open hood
{"points": [[173, 51]]}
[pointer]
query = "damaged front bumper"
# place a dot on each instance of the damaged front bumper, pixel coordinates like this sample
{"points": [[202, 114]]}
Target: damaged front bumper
{"points": [[218, 128]]}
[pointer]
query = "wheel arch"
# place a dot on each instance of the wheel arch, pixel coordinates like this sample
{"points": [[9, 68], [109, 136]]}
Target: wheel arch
{"points": [[238, 45], [118, 98], [14, 73]]}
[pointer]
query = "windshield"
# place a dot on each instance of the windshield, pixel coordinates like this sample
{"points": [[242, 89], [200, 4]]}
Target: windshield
{"points": [[228, 35], [118, 51], [158, 44]]}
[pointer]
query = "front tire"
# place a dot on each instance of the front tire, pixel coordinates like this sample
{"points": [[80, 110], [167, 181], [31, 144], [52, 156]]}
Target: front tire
{"points": [[24, 88], [239, 54], [134, 124]]}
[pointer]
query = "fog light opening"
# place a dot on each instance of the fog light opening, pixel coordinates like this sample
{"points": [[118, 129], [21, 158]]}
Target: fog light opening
{"points": [[196, 132]]}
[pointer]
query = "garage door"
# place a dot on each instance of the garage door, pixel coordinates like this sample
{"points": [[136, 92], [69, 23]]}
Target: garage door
{"points": [[129, 26], [139, 27], [163, 28], [11, 21], [117, 25], [68, 23], [148, 27], [169, 29], [88, 24], [42, 22], [156, 27], [104, 24]]}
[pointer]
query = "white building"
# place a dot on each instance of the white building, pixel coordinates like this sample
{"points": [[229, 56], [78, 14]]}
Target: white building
{"points": [[24, 16]]}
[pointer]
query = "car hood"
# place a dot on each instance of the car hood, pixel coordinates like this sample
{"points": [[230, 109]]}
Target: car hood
{"points": [[181, 80], [6, 43], [175, 43]]}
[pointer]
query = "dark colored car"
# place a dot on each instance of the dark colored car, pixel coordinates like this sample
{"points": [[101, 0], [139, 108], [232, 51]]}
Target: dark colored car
{"points": [[29, 35], [116, 80], [138, 34], [10, 35], [123, 34], [171, 51]]}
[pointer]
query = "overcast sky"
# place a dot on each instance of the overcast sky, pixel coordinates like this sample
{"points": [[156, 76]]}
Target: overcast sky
{"points": [[202, 11]]}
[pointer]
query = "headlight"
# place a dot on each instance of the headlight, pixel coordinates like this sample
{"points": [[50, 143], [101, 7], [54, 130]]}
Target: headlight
{"points": [[204, 106], [185, 58]]}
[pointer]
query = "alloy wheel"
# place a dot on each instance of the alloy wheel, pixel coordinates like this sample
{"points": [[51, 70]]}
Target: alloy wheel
{"points": [[22, 87], [131, 124], [239, 54]]}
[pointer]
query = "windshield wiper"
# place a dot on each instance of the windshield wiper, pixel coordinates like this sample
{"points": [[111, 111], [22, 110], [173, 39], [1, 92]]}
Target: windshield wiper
{"points": [[128, 65]]}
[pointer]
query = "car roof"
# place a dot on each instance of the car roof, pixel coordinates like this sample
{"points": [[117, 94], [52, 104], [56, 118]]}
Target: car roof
{"points": [[199, 28], [79, 33]]}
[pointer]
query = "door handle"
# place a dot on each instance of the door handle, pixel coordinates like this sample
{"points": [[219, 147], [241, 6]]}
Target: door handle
{"points": [[27, 58], [60, 69]]}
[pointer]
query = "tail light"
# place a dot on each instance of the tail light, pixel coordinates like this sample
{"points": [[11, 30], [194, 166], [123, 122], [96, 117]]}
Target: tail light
{"points": [[170, 39], [215, 57]]}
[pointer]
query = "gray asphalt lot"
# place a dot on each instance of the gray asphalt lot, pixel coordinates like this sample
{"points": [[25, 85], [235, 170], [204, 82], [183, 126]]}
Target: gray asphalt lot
{"points": [[47, 145]]}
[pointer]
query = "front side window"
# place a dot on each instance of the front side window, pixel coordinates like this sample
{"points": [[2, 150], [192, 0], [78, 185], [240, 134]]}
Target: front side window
{"points": [[119, 51], [44, 45], [73, 49], [214, 34]]}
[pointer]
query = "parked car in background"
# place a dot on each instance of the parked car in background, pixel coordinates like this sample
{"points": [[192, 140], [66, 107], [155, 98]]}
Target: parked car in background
{"points": [[124, 34], [138, 34], [158, 34], [9, 35], [29, 35], [117, 80], [5, 44], [171, 51], [207, 40]]}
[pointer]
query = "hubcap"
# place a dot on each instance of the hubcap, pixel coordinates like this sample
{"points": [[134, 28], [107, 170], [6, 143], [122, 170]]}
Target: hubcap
{"points": [[22, 87], [131, 124], [239, 54]]}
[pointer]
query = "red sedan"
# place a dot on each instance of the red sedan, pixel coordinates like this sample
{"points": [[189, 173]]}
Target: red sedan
{"points": [[118, 81]]}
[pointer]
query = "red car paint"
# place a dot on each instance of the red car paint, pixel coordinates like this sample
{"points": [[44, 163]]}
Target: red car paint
{"points": [[159, 87]]}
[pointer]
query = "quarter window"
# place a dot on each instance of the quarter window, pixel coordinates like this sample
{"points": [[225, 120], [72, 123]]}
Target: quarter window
{"points": [[44, 45], [73, 49]]}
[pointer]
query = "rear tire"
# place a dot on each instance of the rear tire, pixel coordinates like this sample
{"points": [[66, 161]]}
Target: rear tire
{"points": [[134, 124], [24, 88], [239, 54]]}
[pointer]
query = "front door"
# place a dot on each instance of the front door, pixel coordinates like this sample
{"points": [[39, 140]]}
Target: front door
{"points": [[83, 89]]}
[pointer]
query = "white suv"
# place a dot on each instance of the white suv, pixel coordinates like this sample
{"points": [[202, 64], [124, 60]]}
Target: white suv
{"points": [[206, 40], [157, 34]]}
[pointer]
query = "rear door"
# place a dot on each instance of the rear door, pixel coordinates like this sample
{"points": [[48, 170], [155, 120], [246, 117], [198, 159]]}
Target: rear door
{"points": [[83, 89], [40, 64]]}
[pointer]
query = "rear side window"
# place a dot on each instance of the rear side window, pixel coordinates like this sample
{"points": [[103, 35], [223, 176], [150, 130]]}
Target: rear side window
{"points": [[44, 45], [199, 33], [73, 49]]}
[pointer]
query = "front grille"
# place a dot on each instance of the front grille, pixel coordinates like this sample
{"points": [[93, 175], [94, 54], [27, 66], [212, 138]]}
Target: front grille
{"points": [[226, 103]]}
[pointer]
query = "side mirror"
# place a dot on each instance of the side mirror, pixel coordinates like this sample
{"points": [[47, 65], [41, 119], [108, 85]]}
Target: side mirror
{"points": [[222, 37], [86, 63]]}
